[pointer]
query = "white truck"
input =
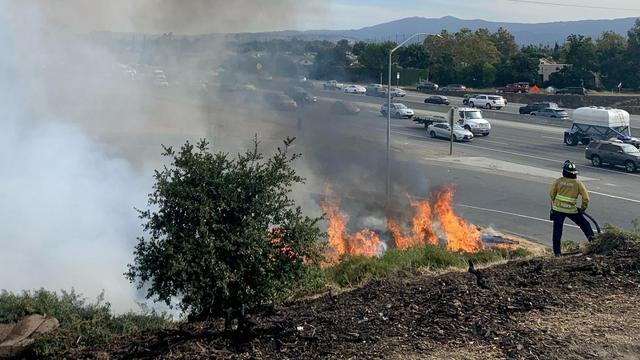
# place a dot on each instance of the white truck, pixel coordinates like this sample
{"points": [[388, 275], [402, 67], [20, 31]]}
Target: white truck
{"points": [[599, 123], [472, 120]]}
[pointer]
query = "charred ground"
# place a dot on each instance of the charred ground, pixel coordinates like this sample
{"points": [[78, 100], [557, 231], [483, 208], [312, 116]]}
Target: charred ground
{"points": [[579, 306]]}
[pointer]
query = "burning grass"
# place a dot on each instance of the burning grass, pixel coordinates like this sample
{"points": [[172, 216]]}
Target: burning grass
{"points": [[425, 223]]}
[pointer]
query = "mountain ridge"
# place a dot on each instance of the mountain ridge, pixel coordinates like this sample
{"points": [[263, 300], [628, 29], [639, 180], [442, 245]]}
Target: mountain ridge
{"points": [[546, 33]]}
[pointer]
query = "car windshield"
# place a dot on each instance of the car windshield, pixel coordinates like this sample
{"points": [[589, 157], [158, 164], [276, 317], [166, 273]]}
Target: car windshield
{"points": [[630, 149], [495, 98], [399, 106], [457, 127], [472, 115]]}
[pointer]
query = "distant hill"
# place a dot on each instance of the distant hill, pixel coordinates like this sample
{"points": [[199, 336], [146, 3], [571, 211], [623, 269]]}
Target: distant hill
{"points": [[540, 33]]}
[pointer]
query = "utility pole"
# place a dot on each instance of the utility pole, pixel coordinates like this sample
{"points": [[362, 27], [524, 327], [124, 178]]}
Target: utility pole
{"points": [[450, 116], [388, 182]]}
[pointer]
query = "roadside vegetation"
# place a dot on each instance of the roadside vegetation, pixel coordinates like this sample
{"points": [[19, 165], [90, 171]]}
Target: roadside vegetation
{"points": [[223, 238], [82, 323], [479, 59]]}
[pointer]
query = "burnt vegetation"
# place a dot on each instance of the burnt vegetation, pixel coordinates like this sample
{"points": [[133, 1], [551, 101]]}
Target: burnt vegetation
{"points": [[520, 309]]}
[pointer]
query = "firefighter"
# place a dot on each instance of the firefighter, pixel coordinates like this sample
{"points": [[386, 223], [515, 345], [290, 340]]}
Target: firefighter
{"points": [[564, 194]]}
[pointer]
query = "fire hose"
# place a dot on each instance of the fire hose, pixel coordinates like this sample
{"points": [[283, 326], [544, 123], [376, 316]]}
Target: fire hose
{"points": [[592, 220], [589, 217]]}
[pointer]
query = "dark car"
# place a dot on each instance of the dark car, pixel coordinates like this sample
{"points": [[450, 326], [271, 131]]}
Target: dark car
{"points": [[301, 96], [466, 98], [437, 99], [551, 113], [572, 91], [345, 108], [280, 101], [427, 86], [528, 109], [613, 153], [375, 90]]}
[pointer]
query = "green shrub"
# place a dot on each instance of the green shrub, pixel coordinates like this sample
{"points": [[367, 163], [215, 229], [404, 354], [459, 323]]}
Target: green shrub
{"points": [[82, 323], [614, 240], [222, 233]]}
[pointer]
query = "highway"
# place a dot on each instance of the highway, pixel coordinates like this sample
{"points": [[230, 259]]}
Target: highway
{"points": [[502, 180]]}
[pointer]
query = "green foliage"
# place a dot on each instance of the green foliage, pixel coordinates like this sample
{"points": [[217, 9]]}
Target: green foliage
{"points": [[222, 233], [614, 240], [358, 269], [82, 323], [477, 58], [611, 57]]}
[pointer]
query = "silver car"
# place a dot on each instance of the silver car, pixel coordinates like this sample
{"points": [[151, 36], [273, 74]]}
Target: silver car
{"points": [[551, 113], [442, 130]]}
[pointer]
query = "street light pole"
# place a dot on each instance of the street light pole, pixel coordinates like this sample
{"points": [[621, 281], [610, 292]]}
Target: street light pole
{"points": [[388, 183]]}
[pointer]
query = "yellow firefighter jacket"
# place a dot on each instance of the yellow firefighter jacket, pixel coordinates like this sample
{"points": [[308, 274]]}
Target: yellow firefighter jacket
{"points": [[564, 195]]}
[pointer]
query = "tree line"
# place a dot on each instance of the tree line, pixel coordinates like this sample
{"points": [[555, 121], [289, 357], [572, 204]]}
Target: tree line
{"points": [[475, 58]]}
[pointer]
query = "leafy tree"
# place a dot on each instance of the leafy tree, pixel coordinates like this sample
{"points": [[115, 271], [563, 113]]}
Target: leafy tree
{"points": [[580, 53], [222, 233], [413, 56], [611, 58], [375, 58], [505, 43], [331, 63], [633, 54]]}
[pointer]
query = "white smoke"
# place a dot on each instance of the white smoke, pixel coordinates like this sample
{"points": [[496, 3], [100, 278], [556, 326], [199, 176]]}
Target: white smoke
{"points": [[67, 218], [75, 137]]}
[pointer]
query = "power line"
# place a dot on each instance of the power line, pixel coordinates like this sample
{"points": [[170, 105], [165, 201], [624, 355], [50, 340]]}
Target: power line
{"points": [[572, 5]]}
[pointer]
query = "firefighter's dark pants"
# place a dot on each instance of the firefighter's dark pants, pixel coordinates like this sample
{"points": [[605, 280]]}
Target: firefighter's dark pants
{"points": [[558, 223]]}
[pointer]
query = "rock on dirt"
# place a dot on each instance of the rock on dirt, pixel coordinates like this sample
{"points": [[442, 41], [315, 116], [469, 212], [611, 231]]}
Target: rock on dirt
{"points": [[574, 307], [14, 338]]}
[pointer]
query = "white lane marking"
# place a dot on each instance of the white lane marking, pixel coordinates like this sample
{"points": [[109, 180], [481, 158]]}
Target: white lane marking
{"points": [[514, 153], [615, 197], [552, 138], [512, 214], [546, 159], [496, 142], [592, 192]]}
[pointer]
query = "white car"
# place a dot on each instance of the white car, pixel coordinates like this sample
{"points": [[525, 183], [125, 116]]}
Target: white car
{"points": [[443, 130], [355, 89], [396, 92], [398, 110], [487, 101], [472, 120]]}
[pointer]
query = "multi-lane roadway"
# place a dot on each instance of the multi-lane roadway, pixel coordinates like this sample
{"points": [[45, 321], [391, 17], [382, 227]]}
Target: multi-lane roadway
{"points": [[503, 179]]}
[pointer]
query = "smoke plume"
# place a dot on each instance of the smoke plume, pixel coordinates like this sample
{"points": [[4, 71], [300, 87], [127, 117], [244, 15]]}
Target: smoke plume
{"points": [[79, 138]]}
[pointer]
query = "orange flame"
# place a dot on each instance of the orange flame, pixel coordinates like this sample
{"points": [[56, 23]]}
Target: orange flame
{"points": [[421, 227], [364, 242], [460, 235]]}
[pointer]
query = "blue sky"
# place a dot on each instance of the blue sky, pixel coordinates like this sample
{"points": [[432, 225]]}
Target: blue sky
{"points": [[350, 14]]}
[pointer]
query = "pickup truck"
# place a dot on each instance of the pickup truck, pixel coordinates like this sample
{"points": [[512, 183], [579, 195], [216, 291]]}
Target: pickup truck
{"points": [[470, 119], [520, 88]]}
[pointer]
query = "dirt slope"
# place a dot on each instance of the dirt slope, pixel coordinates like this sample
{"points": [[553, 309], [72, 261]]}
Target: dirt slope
{"points": [[575, 307]]}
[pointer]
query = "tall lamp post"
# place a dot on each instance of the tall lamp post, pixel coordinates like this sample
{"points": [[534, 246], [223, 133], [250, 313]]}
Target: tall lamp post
{"points": [[388, 184]]}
